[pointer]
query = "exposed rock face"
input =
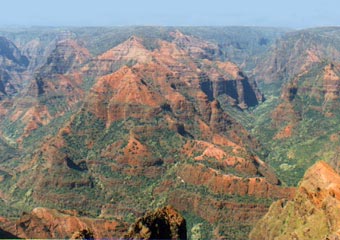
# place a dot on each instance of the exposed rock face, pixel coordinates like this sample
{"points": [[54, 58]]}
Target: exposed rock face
{"points": [[313, 214], [49, 223], [228, 81], [164, 223]]}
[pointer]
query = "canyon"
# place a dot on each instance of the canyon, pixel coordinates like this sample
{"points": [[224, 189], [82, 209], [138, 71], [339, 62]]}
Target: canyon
{"points": [[100, 126]]}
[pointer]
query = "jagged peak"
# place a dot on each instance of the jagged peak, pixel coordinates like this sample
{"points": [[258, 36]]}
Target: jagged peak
{"points": [[131, 49]]}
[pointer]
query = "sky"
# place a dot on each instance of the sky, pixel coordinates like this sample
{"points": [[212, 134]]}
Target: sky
{"points": [[276, 13]]}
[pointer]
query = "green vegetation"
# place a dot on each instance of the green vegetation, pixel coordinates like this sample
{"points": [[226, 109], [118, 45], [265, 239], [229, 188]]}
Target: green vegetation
{"points": [[197, 228], [9, 212]]}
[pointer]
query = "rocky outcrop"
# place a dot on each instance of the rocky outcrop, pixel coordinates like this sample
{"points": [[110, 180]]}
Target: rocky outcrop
{"points": [[164, 223], [49, 223], [313, 214], [83, 234]]}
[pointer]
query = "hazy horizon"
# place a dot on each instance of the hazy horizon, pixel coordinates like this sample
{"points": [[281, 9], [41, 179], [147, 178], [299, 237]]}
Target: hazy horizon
{"points": [[261, 13]]}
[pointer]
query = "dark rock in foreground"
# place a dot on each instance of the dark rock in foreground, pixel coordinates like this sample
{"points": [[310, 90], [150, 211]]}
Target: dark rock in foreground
{"points": [[164, 223]]}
